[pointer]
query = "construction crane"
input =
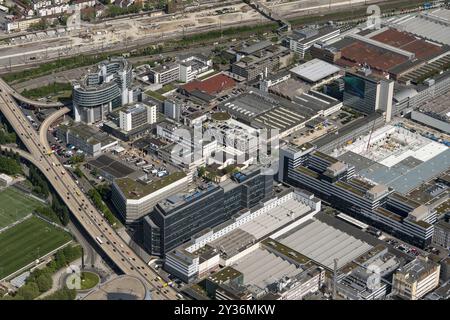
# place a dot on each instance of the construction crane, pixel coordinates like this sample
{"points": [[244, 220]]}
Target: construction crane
{"points": [[370, 136]]}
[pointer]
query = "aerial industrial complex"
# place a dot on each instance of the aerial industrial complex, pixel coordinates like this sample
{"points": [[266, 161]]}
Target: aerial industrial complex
{"points": [[303, 162]]}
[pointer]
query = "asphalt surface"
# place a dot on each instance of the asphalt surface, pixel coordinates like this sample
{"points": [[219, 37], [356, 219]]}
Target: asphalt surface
{"points": [[84, 211]]}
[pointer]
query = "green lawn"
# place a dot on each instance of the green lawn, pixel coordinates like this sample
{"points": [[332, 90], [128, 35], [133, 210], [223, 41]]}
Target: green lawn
{"points": [[88, 280], [15, 205], [27, 241]]}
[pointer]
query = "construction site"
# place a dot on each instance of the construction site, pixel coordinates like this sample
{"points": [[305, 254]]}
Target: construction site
{"points": [[396, 156]]}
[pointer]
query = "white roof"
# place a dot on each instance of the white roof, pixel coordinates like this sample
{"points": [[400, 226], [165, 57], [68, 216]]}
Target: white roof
{"points": [[315, 70], [262, 268], [323, 243]]}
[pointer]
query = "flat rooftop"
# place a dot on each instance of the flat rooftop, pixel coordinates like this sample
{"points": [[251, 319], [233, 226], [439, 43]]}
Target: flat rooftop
{"points": [[397, 158], [133, 189], [433, 25], [323, 243], [408, 42], [377, 58], [249, 104], [261, 268], [212, 85], [87, 134], [260, 227], [315, 70], [112, 166]]}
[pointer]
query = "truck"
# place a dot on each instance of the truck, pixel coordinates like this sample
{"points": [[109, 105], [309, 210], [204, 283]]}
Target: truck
{"points": [[99, 240]]}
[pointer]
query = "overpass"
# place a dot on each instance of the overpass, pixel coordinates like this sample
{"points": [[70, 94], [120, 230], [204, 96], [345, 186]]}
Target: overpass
{"points": [[81, 207], [45, 125], [269, 14], [41, 104]]}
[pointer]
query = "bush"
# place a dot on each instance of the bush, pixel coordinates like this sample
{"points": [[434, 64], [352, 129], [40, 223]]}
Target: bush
{"points": [[48, 213], [28, 291], [44, 91], [62, 294], [44, 282], [100, 205]]}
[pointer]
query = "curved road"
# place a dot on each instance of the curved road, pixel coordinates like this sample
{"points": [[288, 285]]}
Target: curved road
{"points": [[18, 96], [45, 125], [77, 202]]}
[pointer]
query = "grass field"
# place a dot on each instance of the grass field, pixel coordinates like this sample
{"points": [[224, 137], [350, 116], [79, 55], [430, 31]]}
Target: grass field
{"points": [[15, 205], [25, 242]]}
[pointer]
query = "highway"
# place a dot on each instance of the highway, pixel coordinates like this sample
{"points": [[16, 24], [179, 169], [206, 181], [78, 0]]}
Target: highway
{"points": [[77, 202], [18, 96], [45, 125]]}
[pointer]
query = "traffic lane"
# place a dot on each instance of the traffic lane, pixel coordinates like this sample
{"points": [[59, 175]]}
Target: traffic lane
{"points": [[48, 170]]}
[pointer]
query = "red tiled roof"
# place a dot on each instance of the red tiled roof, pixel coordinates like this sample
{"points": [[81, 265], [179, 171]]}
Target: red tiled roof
{"points": [[212, 85]]}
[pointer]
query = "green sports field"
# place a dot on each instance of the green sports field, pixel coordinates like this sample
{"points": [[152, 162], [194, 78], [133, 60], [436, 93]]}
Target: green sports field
{"points": [[25, 242], [15, 205]]}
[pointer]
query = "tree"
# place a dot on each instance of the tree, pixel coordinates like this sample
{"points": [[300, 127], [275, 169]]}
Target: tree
{"points": [[9, 166], [44, 282], [94, 172], [307, 56], [62, 294], [201, 171], [78, 172], [29, 291]]}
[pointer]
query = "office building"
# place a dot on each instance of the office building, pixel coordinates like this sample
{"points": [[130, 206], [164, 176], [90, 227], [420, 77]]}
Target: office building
{"points": [[175, 220], [133, 199], [102, 90], [241, 234], [416, 279], [358, 281], [137, 116], [368, 94], [192, 67], [441, 234], [260, 59], [324, 52], [172, 109], [303, 39], [163, 74], [378, 205], [85, 138]]}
